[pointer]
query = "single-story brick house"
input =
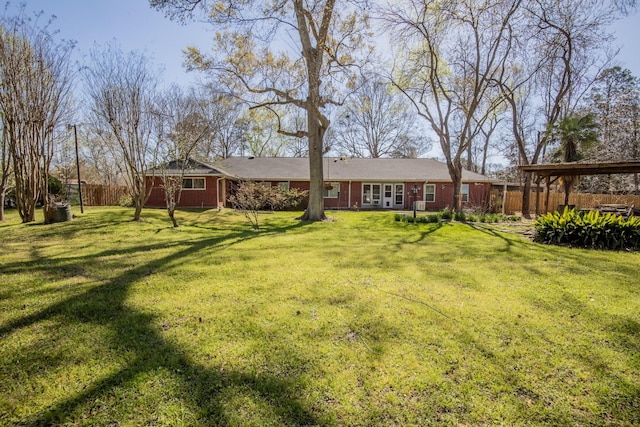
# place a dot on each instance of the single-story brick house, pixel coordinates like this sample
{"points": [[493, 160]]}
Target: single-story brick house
{"points": [[349, 183]]}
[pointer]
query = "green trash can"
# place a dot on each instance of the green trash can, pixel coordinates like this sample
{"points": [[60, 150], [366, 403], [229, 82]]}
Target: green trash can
{"points": [[63, 213]]}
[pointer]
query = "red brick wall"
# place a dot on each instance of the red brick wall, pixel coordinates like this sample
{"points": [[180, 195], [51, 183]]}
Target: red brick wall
{"points": [[190, 198], [478, 193]]}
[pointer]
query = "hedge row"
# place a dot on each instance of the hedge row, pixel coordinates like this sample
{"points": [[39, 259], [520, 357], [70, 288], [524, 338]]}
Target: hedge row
{"points": [[588, 230], [458, 216]]}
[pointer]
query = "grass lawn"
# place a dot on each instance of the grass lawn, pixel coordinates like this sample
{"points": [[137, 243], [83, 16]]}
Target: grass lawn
{"points": [[358, 322]]}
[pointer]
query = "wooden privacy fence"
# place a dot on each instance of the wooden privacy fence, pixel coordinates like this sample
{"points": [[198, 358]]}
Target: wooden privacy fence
{"points": [[103, 195], [513, 201]]}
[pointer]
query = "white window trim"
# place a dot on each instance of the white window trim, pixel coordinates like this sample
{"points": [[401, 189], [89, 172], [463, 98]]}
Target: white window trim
{"points": [[283, 185], [395, 193], [372, 199], [425, 193], [204, 181], [333, 184], [462, 193]]}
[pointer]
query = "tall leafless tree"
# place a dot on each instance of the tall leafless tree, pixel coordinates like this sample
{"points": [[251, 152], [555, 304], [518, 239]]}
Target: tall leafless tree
{"points": [[121, 89], [224, 113], [35, 89], [376, 122], [561, 47], [615, 100], [182, 125], [6, 170], [453, 53], [101, 166]]}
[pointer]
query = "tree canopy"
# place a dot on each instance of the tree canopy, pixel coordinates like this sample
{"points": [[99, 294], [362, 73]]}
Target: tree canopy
{"points": [[281, 55]]}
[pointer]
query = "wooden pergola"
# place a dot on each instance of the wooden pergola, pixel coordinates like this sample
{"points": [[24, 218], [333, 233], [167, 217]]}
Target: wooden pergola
{"points": [[551, 172]]}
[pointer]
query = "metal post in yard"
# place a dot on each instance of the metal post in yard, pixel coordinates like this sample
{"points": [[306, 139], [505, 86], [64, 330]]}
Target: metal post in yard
{"points": [[415, 189], [75, 135]]}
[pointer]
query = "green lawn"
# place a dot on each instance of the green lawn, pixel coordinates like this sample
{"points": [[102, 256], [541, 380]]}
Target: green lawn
{"points": [[362, 321]]}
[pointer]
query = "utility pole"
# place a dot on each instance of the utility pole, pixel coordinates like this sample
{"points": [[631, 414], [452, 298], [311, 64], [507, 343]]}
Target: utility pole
{"points": [[75, 135]]}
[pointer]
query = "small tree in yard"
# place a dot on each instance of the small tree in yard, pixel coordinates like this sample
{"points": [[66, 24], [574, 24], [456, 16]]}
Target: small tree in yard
{"points": [[182, 126], [252, 197], [172, 188], [121, 92]]}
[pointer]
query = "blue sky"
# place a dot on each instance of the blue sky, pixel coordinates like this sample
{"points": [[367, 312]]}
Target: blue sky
{"points": [[136, 26], [132, 23]]}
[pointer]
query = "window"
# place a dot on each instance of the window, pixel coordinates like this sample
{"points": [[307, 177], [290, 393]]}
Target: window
{"points": [[283, 186], [465, 193], [376, 194], [366, 194], [331, 190], [430, 193], [193, 184], [399, 200], [387, 191], [371, 194]]}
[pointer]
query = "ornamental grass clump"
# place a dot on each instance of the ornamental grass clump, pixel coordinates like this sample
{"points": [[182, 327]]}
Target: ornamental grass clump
{"points": [[588, 230]]}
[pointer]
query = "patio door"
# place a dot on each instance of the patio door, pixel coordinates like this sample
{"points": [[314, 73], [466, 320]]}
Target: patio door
{"points": [[387, 196], [399, 195], [371, 195]]}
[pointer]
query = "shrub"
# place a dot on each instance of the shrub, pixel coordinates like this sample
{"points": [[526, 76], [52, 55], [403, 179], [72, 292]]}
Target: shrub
{"points": [[55, 186], [126, 201], [495, 218], [590, 230], [252, 197], [459, 216], [432, 218], [282, 199], [446, 214]]}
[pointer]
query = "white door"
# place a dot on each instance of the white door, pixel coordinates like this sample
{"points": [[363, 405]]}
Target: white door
{"points": [[399, 196], [387, 196]]}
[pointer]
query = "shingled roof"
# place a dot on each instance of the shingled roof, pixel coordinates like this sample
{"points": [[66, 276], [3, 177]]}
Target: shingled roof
{"points": [[341, 169], [335, 169], [191, 167]]}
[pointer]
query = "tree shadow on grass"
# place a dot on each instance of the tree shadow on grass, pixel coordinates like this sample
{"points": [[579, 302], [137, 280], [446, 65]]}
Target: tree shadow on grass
{"points": [[509, 242], [424, 232], [133, 335], [546, 396]]}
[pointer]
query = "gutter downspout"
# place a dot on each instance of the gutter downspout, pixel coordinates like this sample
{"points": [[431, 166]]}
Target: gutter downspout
{"points": [[349, 194]]}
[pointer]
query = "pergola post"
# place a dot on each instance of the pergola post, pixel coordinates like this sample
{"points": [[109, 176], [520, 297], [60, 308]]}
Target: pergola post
{"points": [[546, 199], [537, 194]]}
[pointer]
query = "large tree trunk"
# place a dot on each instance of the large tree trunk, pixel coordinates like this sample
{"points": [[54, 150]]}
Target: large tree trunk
{"points": [[568, 182], [315, 208], [455, 172], [137, 213]]}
